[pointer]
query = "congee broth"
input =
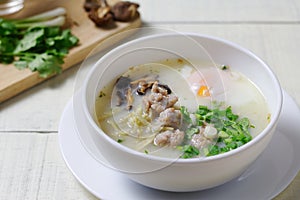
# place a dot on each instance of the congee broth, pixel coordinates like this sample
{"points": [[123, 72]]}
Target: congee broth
{"points": [[171, 108]]}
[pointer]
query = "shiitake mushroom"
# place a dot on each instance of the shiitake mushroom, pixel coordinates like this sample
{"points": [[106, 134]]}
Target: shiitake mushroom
{"points": [[104, 15]]}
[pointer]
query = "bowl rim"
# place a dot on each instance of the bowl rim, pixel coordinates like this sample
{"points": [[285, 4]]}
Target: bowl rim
{"points": [[191, 35]]}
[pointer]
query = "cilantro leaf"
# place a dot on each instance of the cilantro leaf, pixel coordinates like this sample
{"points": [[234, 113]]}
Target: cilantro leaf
{"points": [[46, 64], [20, 64], [29, 40]]}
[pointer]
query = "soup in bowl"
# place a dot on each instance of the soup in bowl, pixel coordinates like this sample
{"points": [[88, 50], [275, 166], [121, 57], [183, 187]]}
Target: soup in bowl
{"points": [[181, 112]]}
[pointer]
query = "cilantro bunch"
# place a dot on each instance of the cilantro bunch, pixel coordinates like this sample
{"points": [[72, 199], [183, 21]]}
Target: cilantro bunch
{"points": [[37, 43]]}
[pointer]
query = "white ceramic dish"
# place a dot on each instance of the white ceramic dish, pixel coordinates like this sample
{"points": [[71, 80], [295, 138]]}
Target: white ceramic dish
{"points": [[172, 174], [270, 174]]}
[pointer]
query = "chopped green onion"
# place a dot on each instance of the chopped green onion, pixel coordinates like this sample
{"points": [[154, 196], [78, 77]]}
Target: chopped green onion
{"points": [[120, 140], [232, 131]]}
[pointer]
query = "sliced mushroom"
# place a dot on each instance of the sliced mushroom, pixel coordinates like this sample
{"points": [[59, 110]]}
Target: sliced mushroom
{"points": [[166, 87], [143, 86], [120, 98], [124, 91], [129, 98], [123, 82]]}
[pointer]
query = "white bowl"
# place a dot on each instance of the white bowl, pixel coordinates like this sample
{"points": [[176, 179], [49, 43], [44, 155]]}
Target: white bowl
{"points": [[181, 174]]}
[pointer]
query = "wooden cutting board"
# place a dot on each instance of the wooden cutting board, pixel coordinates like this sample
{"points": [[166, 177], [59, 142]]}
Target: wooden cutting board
{"points": [[14, 81]]}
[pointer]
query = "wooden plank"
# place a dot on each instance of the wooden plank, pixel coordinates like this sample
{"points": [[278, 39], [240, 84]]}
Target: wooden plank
{"points": [[31, 167], [13, 81], [40, 108], [216, 11]]}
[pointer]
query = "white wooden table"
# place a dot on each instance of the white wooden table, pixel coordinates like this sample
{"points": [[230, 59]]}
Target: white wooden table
{"points": [[31, 165]]}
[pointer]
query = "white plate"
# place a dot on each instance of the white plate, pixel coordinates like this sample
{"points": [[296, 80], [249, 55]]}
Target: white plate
{"points": [[271, 173]]}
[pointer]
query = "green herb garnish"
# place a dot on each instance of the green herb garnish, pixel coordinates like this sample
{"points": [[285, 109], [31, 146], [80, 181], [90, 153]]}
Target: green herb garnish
{"points": [[191, 131], [37, 42], [189, 151], [102, 94], [185, 115], [120, 140], [232, 131], [224, 67]]}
